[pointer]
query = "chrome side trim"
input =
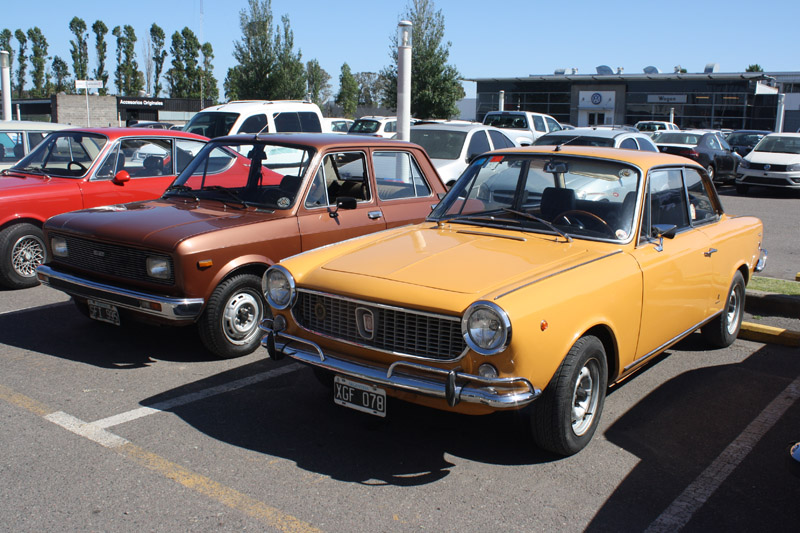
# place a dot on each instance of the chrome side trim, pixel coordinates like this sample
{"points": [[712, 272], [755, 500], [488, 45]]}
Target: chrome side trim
{"points": [[499, 393], [178, 309], [557, 273], [673, 340]]}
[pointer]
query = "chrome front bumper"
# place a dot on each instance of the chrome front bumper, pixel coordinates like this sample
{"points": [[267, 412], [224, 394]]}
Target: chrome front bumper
{"points": [[451, 385], [171, 309], [762, 261]]}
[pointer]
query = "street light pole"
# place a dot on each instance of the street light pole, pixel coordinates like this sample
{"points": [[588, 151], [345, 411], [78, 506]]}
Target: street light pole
{"points": [[5, 63], [404, 80]]}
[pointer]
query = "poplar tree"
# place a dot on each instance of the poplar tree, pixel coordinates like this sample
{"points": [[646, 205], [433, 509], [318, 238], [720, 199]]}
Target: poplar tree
{"points": [[319, 86], [22, 58], [100, 30], [348, 92], [159, 55], [79, 48], [38, 60]]}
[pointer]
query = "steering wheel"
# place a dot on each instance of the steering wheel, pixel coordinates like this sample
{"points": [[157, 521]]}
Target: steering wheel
{"points": [[579, 212], [78, 164]]}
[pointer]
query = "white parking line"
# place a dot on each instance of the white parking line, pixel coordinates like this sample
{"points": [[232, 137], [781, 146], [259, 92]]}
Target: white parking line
{"points": [[678, 514], [140, 412], [90, 431]]}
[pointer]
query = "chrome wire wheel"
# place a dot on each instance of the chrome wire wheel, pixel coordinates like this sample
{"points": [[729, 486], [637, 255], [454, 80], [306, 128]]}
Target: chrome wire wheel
{"points": [[243, 312], [734, 309], [27, 253], [585, 397]]}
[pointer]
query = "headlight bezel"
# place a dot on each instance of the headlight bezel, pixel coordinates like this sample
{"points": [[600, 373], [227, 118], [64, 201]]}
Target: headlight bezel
{"points": [[158, 267], [498, 343], [290, 287], [59, 247]]}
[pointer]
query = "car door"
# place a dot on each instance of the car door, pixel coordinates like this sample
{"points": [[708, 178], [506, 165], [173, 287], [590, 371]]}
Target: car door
{"points": [[676, 273], [722, 161], [340, 174], [404, 195]]}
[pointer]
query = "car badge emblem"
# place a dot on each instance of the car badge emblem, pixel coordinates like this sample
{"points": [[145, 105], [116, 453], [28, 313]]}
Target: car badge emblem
{"points": [[319, 312], [284, 202], [99, 253], [365, 320], [767, 167]]}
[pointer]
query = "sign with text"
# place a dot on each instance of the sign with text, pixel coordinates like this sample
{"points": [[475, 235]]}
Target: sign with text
{"points": [[88, 84]]}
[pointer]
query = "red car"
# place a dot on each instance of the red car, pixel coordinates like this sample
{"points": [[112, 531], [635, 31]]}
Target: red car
{"points": [[77, 169]]}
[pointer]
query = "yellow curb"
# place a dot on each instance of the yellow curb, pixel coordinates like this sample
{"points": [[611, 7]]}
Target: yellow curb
{"points": [[769, 334], [797, 277]]}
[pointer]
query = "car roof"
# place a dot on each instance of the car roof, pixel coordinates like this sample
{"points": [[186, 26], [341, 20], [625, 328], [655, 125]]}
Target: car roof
{"points": [[765, 132], [457, 126], [116, 133], [640, 158], [604, 132], [318, 140], [32, 125], [784, 134], [249, 105]]}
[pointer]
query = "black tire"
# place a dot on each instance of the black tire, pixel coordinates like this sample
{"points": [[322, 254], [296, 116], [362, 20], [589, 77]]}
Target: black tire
{"points": [[723, 330], [229, 324], [22, 249], [565, 417], [710, 171], [742, 188]]}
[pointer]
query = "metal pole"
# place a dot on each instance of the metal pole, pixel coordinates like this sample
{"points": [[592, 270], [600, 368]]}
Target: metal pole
{"points": [[502, 105], [404, 81], [5, 62], [779, 117], [88, 122]]}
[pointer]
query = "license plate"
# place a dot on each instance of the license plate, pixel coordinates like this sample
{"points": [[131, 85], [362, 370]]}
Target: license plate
{"points": [[359, 396], [103, 312]]}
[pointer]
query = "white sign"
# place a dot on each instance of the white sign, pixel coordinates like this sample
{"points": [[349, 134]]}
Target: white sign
{"points": [[88, 84], [666, 98], [596, 99]]}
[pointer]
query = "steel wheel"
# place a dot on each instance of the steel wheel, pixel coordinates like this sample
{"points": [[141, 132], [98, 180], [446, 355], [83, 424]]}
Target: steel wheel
{"points": [[241, 316], [734, 309], [585, 397], [724, 328], [27, 254]]}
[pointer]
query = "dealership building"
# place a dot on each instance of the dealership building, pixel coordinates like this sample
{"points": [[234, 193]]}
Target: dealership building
{"points": [[740, 100]]}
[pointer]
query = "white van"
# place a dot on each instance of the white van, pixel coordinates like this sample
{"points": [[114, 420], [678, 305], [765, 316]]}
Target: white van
{"points": [[256, 116], [524, 126]]}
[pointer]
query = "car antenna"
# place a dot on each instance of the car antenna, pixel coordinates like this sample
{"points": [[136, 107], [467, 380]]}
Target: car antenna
{"points": [[559, 145]]}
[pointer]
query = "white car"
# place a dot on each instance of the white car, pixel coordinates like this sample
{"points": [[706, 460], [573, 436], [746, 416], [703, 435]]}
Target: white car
{"points": [[773, 162], [524, 126], [374, 125], [649, 127], [599, 136], [256, 116], [451, 145], [19, 137], [337, 125]]}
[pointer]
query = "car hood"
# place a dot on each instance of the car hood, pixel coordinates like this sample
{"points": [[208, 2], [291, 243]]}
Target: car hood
{"points": [[21, 183], [160, 224], [773, 158], [444, 258]]}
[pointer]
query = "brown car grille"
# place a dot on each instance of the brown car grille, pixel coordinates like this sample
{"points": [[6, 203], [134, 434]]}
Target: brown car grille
{"points": [[396, 330], [111, 259]]}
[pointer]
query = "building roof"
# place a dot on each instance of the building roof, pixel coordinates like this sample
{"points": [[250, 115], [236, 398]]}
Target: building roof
{"points": [[749, 76]]}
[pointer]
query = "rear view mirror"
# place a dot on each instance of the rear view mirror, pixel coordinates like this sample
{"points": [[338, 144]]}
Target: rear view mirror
{"points": [[556, 167], [121, 177], [343, 202]]}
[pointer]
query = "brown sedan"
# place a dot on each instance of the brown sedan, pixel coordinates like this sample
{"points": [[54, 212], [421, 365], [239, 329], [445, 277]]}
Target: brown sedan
{"points": [[197, 254]]}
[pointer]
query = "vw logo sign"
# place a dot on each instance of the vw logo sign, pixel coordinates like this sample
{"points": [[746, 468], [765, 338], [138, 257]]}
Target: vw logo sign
{"points": [[767, 167], [597, 98]]}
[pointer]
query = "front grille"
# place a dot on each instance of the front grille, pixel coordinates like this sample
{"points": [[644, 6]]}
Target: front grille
{"points": [[396, 330], [772, 168], [111, 259], [764, 181]]}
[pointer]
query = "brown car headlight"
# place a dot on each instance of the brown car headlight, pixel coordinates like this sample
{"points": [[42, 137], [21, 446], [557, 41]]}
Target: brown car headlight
{"points": [[486, 328], [158, 267], [278, 286]]}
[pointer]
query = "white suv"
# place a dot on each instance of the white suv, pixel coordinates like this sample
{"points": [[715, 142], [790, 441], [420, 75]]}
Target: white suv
{"points": [[524, 126], [649, 127], [376, 126], [256, 116]]}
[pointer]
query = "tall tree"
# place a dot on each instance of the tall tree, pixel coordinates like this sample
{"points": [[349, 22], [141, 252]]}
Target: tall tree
{"points": [[368, 88], [184, 76], [255, 53], [22, 58], [289, 74], [176, 75], [100, 30], [319, 86], [79, 48], [435, 86], [158, 37], [61, 75], [119, 72], [754, 68], [147, 59], [38, 60], [348, 92], [134, 81], [210, 89]]}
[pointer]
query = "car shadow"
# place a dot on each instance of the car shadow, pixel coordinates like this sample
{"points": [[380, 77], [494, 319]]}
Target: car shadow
{"points": [[61, 331]]}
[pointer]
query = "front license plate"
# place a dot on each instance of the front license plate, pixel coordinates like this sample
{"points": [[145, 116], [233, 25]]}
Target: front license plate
{"points": [[103, 312], [359, 396]]}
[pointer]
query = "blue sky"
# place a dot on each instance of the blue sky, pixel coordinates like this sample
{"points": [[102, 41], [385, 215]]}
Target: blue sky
{"points": [[504, 39]]}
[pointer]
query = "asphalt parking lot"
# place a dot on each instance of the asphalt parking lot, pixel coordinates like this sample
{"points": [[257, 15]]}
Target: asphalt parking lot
{"points": [[137, 428]]}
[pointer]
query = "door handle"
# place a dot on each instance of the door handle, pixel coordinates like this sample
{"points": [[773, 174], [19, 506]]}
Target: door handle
{"points": [[373, 215], [710, 251]]}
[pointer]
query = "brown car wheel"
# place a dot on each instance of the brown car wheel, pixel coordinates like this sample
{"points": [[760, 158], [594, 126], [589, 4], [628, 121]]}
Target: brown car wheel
{"points": [[229, 325]]}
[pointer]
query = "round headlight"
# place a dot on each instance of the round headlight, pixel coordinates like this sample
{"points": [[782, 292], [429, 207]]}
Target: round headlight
{"points": [[278, 286], [486, 328]]}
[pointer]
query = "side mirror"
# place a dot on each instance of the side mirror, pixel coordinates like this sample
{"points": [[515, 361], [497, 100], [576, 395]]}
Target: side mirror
{"points": [[663, 230], [344, 202], [121, 177]]}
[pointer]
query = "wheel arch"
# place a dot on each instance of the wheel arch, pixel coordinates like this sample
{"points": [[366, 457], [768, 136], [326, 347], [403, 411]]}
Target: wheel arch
{"points": [[22, 220], [609, 340]]}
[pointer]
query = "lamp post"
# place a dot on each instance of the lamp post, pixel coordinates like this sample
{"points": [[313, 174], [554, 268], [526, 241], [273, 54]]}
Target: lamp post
{"points": [[404, 80], [5, 64]]}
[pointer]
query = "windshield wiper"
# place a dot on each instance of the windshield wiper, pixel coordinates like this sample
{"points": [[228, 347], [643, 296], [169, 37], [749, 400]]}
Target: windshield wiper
{"points": [[472, 218], [180, 189], [537, 219], [227, 191], [32, 170]]}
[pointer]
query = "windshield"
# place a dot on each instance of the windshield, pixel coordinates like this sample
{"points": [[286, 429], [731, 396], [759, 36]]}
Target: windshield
{"points": [[779, 144], [574, 140], [506, 121], [245, 174], [678, 137], [211, 123], [68, 155], [650, 126], [440, 144], [744, 139], [365, 126], [565, 196]]}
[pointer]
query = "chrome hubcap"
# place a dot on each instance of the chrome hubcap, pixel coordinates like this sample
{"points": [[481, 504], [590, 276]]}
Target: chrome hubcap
{"points": [[27, 254], [240, 320], [585, 397], [733, 310]]}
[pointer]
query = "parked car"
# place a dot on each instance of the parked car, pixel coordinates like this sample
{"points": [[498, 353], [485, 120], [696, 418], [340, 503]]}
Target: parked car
{"points": [[80, 168], [515, 293], [774, 162], [152, 125], [523, 126], [374, 125], [19, 137], [649, 127], [451, 145], [256, 116], [707, 148], [337, 125], [614, 137], [196, 255], [743, 141]]}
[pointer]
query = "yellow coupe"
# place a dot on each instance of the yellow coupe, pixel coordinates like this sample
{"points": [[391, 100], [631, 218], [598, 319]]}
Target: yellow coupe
{"points": [[545, 274]]}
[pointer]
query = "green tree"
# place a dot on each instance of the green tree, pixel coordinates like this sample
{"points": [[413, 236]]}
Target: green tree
{"points": [[79, 48], [289, 74], [210, 89], [61, 75], [119, 72], [435, 86], [22, 58], [348, 92], [38, 60], [368, 88], [754, 68], [319, 86], [255, 55], [159, 55], [184, 76], [134, 80], [100, 30]]}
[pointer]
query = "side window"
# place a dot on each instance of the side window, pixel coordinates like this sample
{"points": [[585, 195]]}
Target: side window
{"points": [[11, 146], [318, 194], [309, 122], [647, 145], [35, 137], [397, 175], [713, 142], [478, 144], [254, 124], [391, 127], [538, 123], [552, 124], [286, 122], [725, 144], [701, 209], [185, 150], [346, 175], [629, 143], [499, 140], [668, 199], [109, 167], [145, 158]]}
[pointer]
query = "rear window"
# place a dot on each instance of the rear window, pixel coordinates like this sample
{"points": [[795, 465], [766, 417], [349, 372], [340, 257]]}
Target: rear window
{"points": [[506, 121], [573, 140], [211, 123], [292, 121], [440, 144], [669, 137], [365, 126]]}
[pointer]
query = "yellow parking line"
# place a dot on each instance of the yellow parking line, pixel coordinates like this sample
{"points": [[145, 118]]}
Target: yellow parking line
{"points": [[23, 401]]}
